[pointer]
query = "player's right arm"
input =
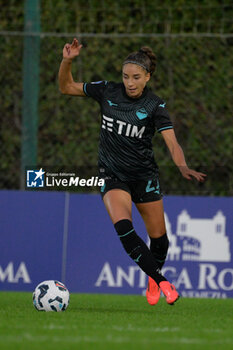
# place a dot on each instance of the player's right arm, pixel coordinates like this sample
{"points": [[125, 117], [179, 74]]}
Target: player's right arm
{"points": [[67, 85]]}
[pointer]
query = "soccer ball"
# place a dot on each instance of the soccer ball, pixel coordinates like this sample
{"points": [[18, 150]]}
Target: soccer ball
{"points": [[51, 296]]}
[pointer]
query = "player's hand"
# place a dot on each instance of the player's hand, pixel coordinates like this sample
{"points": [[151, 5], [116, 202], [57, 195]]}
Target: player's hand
{"points": [[72, 50], [190, 173]]}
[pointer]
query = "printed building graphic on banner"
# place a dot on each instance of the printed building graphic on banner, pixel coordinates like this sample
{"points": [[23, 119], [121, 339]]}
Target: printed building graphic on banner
{"points": [[199, 261], [174, 251], [200, 239]]}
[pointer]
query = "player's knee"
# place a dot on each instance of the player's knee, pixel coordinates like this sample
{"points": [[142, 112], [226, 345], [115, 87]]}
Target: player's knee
{"points": [[160, 244], [127, 235], [157, 233], [124, 227]]}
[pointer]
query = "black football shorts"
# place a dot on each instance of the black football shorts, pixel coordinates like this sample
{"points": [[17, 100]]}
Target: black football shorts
{"points": [[141, 191]]}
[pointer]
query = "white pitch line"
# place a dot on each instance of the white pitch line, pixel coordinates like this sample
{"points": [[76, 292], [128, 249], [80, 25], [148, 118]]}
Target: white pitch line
{"points": [[110, 338]]}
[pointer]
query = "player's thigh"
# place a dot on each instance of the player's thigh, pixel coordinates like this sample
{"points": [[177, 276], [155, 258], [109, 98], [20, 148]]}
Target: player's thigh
{"points": [[153, 217], [118, 204]]}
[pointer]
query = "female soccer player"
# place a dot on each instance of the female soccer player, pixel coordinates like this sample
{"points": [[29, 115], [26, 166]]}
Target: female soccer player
{"points": [[130, 115]]}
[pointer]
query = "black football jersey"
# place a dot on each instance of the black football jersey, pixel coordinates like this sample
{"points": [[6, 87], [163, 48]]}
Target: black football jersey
{"points": [[127, 128]]}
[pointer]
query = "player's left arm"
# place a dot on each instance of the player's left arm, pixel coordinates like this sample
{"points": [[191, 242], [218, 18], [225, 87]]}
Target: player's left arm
{"points": [[178, 156]]}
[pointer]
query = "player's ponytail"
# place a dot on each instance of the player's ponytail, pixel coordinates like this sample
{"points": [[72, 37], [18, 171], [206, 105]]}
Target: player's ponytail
{"points": [[148, 51], [144, 57]]}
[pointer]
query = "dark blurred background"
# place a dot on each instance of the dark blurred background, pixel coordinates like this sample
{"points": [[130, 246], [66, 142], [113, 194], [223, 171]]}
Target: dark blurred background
{"points": [[193, 41]]}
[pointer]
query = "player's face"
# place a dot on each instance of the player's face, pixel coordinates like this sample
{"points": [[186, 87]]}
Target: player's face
{"points": [[134, 79]]}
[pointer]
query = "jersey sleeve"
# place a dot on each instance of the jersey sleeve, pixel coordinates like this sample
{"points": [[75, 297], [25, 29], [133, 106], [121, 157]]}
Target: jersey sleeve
{"points": [[95, 89], [161, 118]]}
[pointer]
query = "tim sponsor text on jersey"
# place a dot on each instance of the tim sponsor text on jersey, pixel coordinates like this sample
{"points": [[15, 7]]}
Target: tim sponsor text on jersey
{"points": [[123, 128]]}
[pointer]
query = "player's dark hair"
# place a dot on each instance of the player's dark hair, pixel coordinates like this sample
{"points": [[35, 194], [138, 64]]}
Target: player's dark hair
{"points": [[144, 57]]}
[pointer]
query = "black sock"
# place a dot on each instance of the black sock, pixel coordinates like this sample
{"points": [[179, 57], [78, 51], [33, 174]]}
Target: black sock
{"points": [[138, 250], [159, 247]]}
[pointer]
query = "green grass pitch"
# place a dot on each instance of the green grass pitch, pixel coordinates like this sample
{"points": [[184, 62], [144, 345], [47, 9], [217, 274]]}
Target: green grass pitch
{"points": [[116, 322]]}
